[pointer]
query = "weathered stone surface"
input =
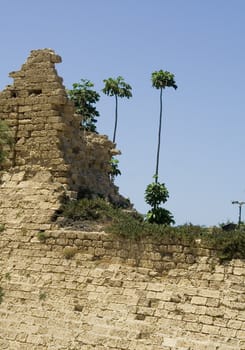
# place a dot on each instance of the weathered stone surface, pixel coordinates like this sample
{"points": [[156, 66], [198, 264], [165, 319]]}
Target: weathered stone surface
{"points": [[72, 290], [98, 300]]}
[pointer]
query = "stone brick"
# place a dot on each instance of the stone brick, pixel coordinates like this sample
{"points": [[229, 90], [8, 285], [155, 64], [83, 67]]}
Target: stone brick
{"points": [[199, 300], [210, 329], [209, 293], [206, 319], [234, 324], [169, 342]]}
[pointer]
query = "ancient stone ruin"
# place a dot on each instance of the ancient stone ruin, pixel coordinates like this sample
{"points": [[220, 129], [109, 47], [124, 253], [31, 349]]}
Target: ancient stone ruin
{"points": [[50, 157], [66, 289]]}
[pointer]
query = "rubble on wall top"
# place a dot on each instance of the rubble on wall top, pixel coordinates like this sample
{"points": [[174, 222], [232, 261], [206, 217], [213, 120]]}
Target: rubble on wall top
{"points": [[48, 54]]}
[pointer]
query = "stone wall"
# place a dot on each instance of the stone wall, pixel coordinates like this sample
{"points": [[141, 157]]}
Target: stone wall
{"points": [[79, 290], [70, 290], [29, 201]]}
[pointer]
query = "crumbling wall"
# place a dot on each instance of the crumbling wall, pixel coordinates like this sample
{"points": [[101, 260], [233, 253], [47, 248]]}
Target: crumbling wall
{"points": [[47, 135]]}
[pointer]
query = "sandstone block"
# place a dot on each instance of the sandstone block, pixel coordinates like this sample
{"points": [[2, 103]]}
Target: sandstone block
{"points": [[199, 300]]}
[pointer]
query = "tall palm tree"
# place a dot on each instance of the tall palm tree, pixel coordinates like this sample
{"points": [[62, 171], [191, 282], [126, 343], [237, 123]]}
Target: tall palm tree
{"points": [[160, 80], [118, 88]]}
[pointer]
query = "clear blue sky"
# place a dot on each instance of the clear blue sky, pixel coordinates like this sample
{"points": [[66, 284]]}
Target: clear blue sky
{"points": [[201, 42]]}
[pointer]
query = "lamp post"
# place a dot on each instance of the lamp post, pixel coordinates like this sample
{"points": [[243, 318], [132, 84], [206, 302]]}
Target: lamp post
{"points": [[240, 204]]}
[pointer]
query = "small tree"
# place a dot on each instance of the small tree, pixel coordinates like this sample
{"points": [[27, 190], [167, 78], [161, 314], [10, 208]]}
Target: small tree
{"points": [[84, 98], [155, 194], [6, 141], [118, 88], [160, 80], [115, 171]]}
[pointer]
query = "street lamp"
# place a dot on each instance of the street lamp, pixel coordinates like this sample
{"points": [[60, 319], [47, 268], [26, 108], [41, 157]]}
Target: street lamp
{"points": [[240, 204]]}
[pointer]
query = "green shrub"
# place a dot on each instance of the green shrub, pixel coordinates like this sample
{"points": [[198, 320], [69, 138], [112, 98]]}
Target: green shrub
{"points": [[69, 252], [42, 296], [1, 295], [230, 245], [2, 227], [125, 225], [8, 276], [6, 141], [41, 236], [87, 209]]}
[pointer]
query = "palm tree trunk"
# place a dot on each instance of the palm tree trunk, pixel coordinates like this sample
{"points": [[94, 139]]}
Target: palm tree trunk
{"points": [[159, 138], [115, 127]]}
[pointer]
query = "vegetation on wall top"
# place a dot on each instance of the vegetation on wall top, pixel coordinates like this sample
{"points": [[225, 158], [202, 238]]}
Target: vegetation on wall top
{"points": [[129, 224]]}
